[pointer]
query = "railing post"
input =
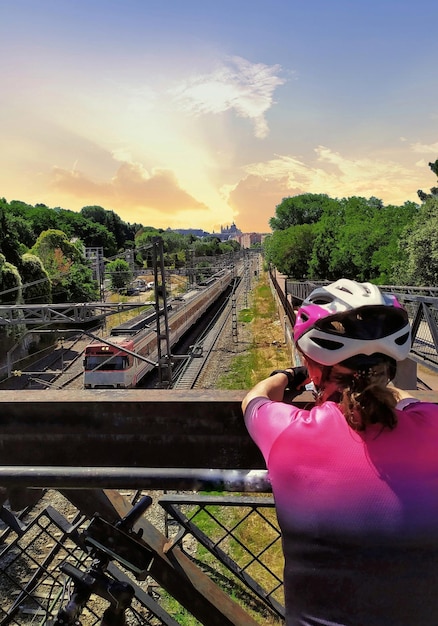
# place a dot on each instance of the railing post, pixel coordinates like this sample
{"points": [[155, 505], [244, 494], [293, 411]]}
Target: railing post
{"points": [[406, 377]]}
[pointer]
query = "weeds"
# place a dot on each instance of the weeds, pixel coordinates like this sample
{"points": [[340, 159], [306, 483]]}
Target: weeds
{"points": [[268, 351]]}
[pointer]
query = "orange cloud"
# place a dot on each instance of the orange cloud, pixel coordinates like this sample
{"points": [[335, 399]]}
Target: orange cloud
{"points": [[254, 200], [131, 187]]}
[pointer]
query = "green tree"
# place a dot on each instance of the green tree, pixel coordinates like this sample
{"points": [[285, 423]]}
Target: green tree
{"points": [[388, 227], [122, 231], [37, 287], [47, 246], [10, 282], [418, 264], [41, 218], [357, 240], [9, 243], [79, 286], [65, 264], [290, 250], [143, 243], [120, 274], [303, 209], [326, 232], [434, 190]]}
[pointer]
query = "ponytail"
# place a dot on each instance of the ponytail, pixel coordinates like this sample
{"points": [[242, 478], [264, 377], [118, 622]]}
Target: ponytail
{"points": [[366, 399]]}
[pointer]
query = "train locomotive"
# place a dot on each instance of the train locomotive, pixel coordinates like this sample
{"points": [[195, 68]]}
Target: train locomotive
{"points": [[114, 363]]}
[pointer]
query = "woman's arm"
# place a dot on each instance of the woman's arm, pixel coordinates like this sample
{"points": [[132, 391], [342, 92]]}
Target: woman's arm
{"points": [[400, 394], [275, 385], [272, 388]]}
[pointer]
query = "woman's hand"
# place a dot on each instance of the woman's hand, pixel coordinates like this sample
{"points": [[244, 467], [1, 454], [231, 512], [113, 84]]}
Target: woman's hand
{"points": [[274, 387]]}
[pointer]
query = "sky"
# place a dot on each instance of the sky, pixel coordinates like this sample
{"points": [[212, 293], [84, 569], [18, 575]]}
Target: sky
{"points": [[199, 113]]}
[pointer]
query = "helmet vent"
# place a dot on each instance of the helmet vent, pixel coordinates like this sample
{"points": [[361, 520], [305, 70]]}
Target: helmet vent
{"points": [[327, 344], [321, 300], [402, 340]]}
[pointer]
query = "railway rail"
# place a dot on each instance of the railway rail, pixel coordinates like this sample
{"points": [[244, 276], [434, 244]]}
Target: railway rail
{"points": [[188, 375], [60, 369]]}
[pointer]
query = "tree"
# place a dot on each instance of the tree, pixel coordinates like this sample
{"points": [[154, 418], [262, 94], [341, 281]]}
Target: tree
{"points": [[434, 190], [419, 248], [10, 282], [120, 274], [65, 264], [122, 231], [79, 286], [388, 227], [326, 232], [37, 287], [290, 250], [48, 246], [9, 242], [303, 209], [358, 238]]}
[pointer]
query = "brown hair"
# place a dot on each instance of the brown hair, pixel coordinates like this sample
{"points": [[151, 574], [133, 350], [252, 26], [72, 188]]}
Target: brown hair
{"points": [[363, 395]]}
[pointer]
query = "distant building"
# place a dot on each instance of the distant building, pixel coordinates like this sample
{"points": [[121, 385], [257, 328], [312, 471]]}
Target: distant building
{"points": [[232, 232], [228, 232], [247, 240], [196, 232]]}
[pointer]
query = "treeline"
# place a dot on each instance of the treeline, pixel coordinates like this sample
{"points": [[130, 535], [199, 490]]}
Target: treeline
{"points": [[42, 250], [322, 238]]}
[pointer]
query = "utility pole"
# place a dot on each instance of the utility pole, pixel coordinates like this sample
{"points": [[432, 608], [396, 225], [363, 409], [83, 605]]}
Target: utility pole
{"points": [[163, 336]]}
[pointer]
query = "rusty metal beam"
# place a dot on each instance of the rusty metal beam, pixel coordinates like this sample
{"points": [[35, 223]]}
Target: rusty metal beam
{"points": [[174, 571], [132, 428], [128, 429]]}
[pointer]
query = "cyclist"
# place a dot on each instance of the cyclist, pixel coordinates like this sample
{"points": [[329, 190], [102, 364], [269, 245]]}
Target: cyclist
{"points": [[355, 477]]}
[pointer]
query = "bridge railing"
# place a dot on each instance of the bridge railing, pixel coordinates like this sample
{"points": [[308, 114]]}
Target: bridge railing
{"points": [[85, 445], [89, 444]]}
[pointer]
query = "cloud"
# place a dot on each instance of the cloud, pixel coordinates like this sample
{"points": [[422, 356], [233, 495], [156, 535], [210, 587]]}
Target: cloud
{"points": [[339, 176], [132, 186], [254, 199], [265, 184], [423, 148], [244, 87]]}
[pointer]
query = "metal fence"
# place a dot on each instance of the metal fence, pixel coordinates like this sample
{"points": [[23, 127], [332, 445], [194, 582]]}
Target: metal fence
{"points": [[235, 539]]}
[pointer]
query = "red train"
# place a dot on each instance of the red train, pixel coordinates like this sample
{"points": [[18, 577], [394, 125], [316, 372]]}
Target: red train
{"points": [[113, 364]]}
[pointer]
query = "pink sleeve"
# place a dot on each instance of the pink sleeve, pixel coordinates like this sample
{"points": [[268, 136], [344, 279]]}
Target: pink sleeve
{"points": [[265, 420]]}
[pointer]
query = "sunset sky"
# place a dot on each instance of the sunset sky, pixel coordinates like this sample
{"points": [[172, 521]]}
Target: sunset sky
{"points": [[198, 113]]}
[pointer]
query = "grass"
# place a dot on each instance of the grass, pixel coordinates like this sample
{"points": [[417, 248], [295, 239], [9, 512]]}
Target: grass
{"points": [[175, 286], [268, 350], [249, 530]]}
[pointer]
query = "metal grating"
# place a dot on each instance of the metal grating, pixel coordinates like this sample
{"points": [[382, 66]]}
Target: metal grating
{"points": [[225, 527], [33, 588]]}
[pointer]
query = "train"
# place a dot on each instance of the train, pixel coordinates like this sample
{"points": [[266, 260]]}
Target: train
{"points": [[113, 363]]}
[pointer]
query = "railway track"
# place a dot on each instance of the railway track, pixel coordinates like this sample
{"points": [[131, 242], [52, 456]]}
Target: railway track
{"points": [[63, 367], [59, 369], [188, 375]]}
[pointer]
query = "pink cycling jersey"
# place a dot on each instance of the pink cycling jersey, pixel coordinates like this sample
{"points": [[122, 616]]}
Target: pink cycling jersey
{"points": [[358, 513]]}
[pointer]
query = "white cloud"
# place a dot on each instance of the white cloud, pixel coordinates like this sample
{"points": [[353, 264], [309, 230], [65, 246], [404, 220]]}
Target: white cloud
{"points": [[339, 176], [424, 148], [242, 86]]}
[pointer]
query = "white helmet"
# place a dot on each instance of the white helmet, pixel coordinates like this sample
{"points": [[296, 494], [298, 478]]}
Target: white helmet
{"points": [[346, 319]]}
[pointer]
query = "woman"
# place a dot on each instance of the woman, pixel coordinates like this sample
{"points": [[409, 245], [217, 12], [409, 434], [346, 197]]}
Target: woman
{"points": [[355, 478]]}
